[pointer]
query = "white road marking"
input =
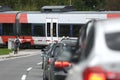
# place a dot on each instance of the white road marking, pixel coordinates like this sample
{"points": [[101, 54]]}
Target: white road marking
{"points": [[23, 77], [29, 69], [39, 63]]}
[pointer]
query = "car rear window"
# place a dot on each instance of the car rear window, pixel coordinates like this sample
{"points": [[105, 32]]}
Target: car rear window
{"points": [[69, 41], [113, 40], [65, 54]]}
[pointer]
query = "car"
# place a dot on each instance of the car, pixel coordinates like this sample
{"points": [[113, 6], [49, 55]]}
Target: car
{"points": [[46, 52], [81, 41], [60, 64], [49, 58], [101, 56]]}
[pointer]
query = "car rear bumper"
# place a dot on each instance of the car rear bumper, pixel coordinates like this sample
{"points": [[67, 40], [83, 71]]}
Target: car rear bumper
{"points": [[61, 75]]}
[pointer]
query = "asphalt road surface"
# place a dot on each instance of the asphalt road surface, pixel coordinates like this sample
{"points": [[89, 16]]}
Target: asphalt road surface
{"points": [[22, 68]]}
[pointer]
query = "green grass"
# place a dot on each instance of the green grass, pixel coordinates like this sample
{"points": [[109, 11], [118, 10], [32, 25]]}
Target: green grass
{"points": [[4, 51]]}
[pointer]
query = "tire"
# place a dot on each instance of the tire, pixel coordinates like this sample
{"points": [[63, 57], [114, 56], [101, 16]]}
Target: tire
{"points": [[42, 65], [44, 76]]}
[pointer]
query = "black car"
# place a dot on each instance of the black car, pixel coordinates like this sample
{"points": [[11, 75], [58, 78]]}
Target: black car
{"points": [[46, 52], [57, 68], [48, 59], [81, 41]]}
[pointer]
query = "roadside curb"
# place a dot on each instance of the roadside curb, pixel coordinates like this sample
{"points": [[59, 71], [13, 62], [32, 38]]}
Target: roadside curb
{"points": [[20, 53], [10, 55]]}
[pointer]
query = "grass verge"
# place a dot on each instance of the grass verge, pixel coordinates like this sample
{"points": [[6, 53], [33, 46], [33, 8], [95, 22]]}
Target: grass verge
{"points": [[5, 51]]}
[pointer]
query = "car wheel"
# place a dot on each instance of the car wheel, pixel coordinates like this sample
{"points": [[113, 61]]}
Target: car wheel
{"points": [[44, 76], [42, 65]]}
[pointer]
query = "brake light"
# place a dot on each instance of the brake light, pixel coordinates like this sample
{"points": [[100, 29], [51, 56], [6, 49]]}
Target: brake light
{"points": [[49, 61], [94, 73], [114, 75], [62, 64], [66, 64]]}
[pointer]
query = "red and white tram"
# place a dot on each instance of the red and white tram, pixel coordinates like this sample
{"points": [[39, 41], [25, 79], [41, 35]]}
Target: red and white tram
{"points": [[42, 28]]}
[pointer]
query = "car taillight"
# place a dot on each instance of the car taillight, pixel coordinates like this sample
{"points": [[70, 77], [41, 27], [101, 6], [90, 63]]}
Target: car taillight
{"points": [[49, 61], [94, 73], [62, 64]]}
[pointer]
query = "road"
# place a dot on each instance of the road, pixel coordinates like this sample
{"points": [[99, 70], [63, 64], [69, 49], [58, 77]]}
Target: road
{"points": [[17, 68]]}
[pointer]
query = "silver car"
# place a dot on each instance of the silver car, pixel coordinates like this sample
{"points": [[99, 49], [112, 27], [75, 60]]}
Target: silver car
{"points": [[100, 59]]}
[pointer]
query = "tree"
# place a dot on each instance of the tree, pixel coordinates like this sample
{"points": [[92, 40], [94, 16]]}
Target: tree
{"points": [[83, 5], [113, 5]]}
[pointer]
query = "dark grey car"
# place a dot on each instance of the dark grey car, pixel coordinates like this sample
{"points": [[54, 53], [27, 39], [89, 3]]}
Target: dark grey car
{"points": [[46, 52], [48, 59], [57, 68]]}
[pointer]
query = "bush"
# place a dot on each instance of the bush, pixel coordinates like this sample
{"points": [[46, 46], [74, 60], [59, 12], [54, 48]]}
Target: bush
{"points": [[4, 51]]}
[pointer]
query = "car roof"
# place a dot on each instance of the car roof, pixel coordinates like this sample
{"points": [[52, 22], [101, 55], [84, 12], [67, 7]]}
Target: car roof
{"points": [[70, 41], [99, 49], [102, 27], [110, 25]]}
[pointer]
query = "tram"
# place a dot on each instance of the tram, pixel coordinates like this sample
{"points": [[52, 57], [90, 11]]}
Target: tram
{"points": [[39, 28]]}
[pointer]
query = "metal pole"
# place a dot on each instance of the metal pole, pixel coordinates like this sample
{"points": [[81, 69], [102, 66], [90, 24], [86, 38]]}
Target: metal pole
{"points": [[70, 3], [17, 25]]}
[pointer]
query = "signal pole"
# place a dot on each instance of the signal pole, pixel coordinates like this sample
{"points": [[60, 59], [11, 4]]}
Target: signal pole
{"points": [[70, 3]]}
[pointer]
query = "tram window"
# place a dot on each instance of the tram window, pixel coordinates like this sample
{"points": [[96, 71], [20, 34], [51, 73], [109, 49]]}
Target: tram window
{"points": [[0, 29], [48, 29], [38, 30], [7, 29], [54, 29], [76, 29], [64, 30], [26, 29]]}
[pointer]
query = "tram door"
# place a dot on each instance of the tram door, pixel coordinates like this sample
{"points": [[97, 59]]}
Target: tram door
{"points": [[52, 29]]}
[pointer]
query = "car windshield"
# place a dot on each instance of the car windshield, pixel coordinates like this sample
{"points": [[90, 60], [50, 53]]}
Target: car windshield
{"points": [[113, 40], [65, 54]]}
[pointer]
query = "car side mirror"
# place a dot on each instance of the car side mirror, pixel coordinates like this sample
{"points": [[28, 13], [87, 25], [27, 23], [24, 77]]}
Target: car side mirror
{"points": [[44, 49], [52, 55]]}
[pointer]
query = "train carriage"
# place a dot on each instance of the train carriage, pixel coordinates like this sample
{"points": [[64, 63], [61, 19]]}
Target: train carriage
{"points": [[41, 28]]}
